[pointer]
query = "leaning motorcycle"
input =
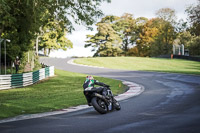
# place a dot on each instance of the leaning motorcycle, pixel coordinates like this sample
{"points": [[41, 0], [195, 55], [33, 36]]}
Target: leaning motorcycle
{"points": [[101, 103]]}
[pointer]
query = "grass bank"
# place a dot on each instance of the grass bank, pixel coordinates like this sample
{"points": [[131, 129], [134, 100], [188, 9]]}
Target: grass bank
{"points": [[62, 91], [144, 64]]}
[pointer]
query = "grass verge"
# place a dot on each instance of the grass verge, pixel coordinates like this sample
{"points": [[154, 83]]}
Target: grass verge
{"points": [[62, 91], [144, 64]]}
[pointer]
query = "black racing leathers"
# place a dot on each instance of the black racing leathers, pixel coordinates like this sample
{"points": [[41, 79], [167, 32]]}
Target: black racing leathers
{"points": [[89, 85]]}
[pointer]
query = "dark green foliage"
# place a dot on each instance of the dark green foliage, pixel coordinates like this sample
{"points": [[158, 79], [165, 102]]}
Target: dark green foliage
{"points": [[21, 20]]}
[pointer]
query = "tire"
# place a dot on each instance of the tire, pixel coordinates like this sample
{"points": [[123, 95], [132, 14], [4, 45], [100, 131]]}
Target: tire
{"points": [[99, 105], [116, 104]]}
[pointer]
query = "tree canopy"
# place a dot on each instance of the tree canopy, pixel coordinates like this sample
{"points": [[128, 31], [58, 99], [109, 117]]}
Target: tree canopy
{"points": [[21, 21], [106, 42], [148, 37], [30, 24], [53, 37]]}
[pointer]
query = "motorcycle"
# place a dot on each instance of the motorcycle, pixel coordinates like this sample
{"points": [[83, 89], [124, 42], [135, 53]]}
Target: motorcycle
{"points": [[102, 104]]}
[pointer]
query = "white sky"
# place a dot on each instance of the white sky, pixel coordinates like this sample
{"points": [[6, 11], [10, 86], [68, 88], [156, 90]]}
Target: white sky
{"points": [[139, 8]]}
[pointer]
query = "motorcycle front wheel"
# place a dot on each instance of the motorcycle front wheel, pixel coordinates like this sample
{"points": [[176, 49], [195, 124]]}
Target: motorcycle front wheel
{"points": [[116, 104], [99, 105]]}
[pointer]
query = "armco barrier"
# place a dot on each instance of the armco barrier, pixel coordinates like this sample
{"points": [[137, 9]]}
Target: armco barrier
{"points": [[187, 57], [25, 79]]}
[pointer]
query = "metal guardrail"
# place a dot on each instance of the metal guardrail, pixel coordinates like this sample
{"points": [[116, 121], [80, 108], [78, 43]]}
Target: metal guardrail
{"points": [[187, 57], [25, 79]]}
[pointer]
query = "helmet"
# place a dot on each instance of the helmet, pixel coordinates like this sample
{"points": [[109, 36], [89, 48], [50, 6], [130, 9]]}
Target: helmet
{"points": [[89, 78]]}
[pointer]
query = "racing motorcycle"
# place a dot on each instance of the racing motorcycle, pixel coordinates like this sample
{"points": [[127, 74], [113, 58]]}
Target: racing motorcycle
{"points": [[102, 104]]}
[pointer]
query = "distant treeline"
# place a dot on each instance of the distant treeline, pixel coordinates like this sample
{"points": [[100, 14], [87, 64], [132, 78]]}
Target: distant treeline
{"points": [[129, 36]]}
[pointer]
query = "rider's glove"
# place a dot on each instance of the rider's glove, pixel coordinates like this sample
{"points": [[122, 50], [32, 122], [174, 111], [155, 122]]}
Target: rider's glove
{"points": [[107, 85]]}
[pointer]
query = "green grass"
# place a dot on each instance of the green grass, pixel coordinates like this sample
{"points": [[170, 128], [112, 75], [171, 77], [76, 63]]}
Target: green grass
{"points": [[144, 64], [62, 91]]}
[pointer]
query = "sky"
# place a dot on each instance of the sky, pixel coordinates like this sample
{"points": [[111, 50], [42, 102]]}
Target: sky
{"points": [[139, 8]]}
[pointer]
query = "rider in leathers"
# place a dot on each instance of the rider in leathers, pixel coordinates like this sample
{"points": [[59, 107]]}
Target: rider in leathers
{"points": [[89, 85]]}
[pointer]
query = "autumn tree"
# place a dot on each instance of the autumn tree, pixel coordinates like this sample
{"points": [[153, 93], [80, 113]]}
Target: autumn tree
{"points": [[147, 37], [136, 34], [156, 35], [124, 30]]}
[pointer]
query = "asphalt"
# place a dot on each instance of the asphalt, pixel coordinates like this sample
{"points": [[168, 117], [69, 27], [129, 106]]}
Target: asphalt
{"points": [[169, 104]]}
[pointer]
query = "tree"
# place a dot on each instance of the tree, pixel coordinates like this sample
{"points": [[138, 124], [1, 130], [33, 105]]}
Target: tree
{"points": [[156, 35], [167, 14], [16, 24], [140, 22], [185, 38], [126, 29], [194, 18], [192, 38], [136, 34], [147, 37], [167, 32], [194, 46], [54, 37], [133, 51], [106, 42], [21, 20], [191, 42]]}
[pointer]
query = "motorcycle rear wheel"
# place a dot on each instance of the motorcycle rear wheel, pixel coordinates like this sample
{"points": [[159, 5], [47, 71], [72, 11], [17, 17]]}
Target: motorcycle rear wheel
{"points": [[99, 105]]}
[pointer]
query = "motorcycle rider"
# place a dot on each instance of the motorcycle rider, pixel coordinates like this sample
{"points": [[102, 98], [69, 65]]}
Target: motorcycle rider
{"points": [[89, 85]]}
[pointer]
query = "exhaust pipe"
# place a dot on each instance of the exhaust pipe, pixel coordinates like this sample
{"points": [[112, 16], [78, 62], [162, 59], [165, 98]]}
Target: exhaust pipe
{"points": [[100, 96]]}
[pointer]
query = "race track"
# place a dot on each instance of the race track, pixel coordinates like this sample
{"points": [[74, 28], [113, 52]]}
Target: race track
{"points": [[169, 104]]}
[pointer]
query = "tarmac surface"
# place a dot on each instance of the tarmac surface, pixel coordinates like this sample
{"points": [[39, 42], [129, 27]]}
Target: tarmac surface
{"points": [[170, 103]]}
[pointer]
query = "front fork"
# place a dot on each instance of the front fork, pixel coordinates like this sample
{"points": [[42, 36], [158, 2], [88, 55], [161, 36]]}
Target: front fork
{"points": [[110, 106]]}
